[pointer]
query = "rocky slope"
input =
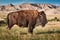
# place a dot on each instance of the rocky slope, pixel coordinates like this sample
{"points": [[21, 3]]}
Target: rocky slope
{"points": [[48, 8]]}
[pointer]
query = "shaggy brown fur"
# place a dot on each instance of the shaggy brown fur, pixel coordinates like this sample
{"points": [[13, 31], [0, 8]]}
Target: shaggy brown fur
{"points": [[26, 18]]}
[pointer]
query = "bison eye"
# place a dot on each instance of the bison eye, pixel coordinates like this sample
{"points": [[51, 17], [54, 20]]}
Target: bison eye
{"points": [[40, 13]]}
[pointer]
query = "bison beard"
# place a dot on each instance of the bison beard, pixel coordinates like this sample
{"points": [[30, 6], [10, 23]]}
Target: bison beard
{"points": [[26, 18]]}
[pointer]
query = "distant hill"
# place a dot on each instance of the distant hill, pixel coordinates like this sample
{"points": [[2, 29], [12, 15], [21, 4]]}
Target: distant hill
{"points": [[48, 8]]}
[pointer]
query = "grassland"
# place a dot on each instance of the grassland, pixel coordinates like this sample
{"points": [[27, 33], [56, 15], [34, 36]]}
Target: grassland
{"points": [[50, 32]]}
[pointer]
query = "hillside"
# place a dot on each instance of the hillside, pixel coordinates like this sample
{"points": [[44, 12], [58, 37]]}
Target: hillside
{"points": [[48, 8]]}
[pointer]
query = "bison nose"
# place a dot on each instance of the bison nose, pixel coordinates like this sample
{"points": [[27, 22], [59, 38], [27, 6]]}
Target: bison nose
{"points": [[43, 25]]}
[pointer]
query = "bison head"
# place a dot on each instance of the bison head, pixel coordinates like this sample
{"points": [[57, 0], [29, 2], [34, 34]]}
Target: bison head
{"points": [[42, 18]]}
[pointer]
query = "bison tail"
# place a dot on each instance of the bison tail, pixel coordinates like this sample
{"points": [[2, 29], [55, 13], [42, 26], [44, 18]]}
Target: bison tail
{"points": [[8, 19]]}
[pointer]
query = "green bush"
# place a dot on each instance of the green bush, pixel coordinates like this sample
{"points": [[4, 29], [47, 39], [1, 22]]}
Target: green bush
{"points": [[3, 21], [55, 19]]}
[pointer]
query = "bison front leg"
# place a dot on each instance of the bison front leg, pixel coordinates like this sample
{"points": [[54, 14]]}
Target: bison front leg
{"points": [[31, 25], [30, 28]]}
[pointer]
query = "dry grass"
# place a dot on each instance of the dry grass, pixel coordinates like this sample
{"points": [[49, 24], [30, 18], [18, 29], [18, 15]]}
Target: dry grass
{"points": [[50, 32], [52, 16]]}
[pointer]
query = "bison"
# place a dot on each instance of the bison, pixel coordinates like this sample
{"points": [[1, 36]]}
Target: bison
{"points": [[26, 18]]}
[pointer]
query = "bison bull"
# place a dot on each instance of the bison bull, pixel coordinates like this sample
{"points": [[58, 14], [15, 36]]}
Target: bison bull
{"points": [[26, 18]]}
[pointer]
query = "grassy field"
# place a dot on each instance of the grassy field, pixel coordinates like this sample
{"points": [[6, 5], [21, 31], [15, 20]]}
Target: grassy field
{"points": [[50, 32], [52, 16]]}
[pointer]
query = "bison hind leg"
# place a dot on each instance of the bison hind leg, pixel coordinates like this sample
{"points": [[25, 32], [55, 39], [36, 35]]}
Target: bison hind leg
{"points": [[10, 25]]}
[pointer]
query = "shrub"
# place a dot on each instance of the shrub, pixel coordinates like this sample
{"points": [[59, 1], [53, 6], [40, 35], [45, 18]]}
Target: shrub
{"points": [[55, 19], [3, 22]]}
